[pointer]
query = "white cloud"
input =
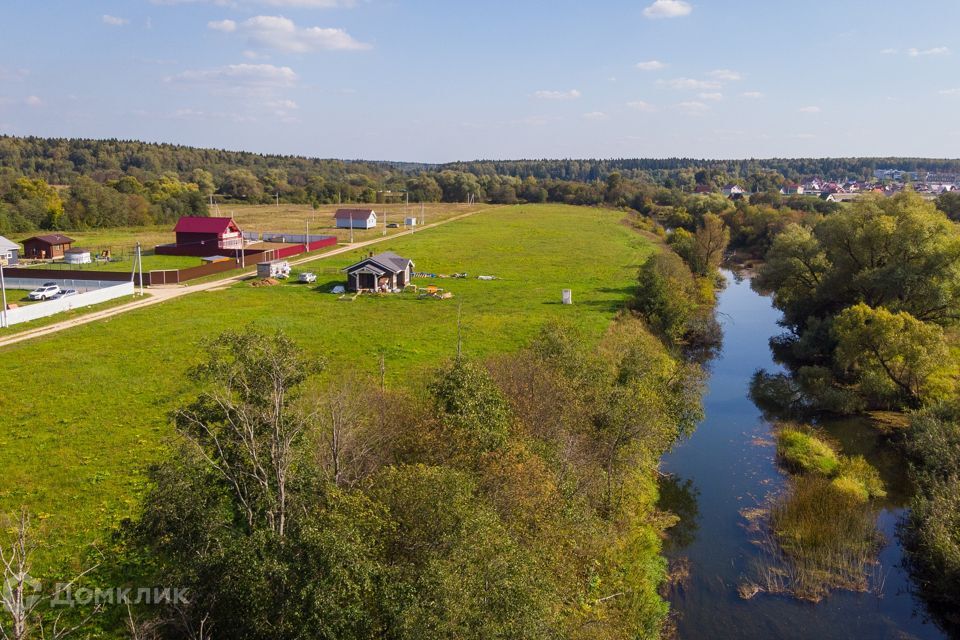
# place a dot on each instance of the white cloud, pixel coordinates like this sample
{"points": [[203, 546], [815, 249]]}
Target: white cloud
{"points": [[650, 65], [33, 101], [311, 4], [712, 97], [282, 34], [572, 94], [810, 109], [690, 84], [949, 92], [113, 21], [935, 51], [803, 136], [668, 9], [889, 51], [640, 105], [753, 95], [595, 115], [227, 26], [248, 80], [693, 107], [534, 121], [288, 105], [726, 75], [13, 75]]}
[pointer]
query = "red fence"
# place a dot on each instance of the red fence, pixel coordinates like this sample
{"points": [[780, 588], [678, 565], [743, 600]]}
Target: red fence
{"points": [[172, 276]]}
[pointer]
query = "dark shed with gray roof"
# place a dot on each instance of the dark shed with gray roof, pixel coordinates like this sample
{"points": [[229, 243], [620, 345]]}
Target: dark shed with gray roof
{"points": [[384, 271]]}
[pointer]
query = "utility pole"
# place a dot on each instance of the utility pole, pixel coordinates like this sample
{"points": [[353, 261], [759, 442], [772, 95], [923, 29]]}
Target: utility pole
{"points": [[3, 291], [306, 237], [278, 199], [140, 267]]}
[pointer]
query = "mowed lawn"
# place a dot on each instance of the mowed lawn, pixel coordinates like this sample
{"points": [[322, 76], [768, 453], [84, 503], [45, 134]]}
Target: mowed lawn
{"points": [[84, 412]]}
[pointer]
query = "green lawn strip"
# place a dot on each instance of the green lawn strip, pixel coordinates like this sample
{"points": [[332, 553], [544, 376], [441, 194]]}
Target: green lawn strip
{"points": [[85, 411], [66, 315]]}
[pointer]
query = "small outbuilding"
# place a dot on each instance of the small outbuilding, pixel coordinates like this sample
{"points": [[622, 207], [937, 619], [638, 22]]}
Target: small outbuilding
{"points": [[47, 247], [410, 222], [273, 269], [77, 256], [9, 252], [356, 218], [382, 272]]}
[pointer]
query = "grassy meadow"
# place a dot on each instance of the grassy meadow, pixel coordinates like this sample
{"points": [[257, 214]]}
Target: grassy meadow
{"points": [[84, 411], [287, 218]]}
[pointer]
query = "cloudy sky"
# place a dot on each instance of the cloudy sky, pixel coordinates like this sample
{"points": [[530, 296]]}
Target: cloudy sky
{"points": [[441, 80]]}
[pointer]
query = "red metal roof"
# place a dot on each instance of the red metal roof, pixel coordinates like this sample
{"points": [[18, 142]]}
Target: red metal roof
{"points": [[193, 224]]}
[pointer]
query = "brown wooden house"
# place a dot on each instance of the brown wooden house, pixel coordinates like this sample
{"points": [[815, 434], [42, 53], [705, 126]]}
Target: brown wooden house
{"points": [[49, 247]]}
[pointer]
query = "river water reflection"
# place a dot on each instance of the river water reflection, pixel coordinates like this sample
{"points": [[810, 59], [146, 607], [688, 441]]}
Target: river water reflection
{"points": [[728, 465]]}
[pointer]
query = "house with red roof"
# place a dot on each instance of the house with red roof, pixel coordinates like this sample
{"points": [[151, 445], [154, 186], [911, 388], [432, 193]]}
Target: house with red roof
{"points": [[200, 236]]}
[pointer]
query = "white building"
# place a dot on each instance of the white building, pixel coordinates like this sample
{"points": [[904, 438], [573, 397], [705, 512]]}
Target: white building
{"points": [[356, 218]]}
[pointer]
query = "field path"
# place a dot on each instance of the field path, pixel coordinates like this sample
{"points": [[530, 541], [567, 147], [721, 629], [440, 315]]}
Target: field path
{"points": [[162, 294]]}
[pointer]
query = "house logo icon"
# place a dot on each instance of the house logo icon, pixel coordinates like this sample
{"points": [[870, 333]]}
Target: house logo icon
{"points": [[20, 594]]}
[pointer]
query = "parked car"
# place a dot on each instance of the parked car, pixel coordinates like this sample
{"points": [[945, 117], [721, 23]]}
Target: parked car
{"points": [[308, 277], [44, 292], [66, 293], [393, 225]]}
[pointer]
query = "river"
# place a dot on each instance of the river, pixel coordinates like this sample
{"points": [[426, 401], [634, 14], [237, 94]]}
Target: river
{"points": [[729, 464]]}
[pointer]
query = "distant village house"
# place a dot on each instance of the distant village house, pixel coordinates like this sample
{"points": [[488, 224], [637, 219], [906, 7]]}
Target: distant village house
{"points": [[9, 251], [356, 218]]}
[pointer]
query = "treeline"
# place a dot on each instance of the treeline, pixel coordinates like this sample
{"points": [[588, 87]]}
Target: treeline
{"points": [[27, 204], [59, 160], [154, 171]]}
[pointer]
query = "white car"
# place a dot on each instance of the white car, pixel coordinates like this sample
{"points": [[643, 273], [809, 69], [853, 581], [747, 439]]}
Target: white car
{"points": [[308, 277], [44, 292], [65, 293]]}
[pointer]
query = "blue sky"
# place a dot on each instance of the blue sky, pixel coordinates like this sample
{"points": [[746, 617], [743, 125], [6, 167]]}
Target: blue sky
{"points": [[433, 81]]}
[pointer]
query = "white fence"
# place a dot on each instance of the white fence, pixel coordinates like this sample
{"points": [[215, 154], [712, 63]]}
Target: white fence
{"points": [[63, 283], [51, 307]]}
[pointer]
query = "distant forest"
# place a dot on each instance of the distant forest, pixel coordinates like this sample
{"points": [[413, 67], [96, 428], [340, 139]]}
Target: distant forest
{"points": [[78, 184]]}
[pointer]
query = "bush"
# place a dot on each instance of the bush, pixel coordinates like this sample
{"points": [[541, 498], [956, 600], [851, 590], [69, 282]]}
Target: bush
{"points": [[805, 453], [858, 476]]}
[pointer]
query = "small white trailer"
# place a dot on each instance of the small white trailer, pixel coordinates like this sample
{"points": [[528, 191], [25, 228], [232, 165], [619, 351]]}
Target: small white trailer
{"points": [[273, 269]]}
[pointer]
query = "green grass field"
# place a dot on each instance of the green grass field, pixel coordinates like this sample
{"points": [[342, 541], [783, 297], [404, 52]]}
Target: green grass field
{"points": [[19, 297], [83, 412], [288, 218], [125, 263]]}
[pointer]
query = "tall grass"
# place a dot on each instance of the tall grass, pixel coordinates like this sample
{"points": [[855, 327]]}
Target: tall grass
{"points": [[825, 538]]}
